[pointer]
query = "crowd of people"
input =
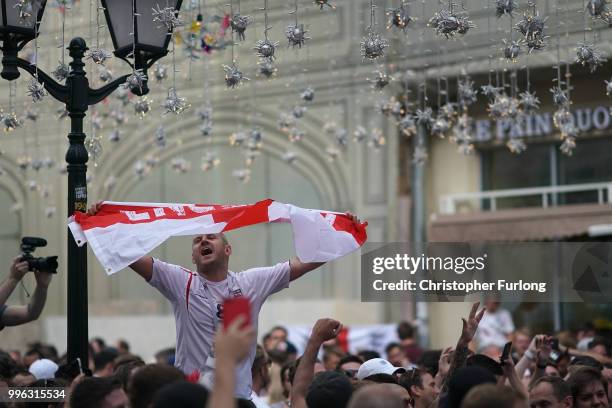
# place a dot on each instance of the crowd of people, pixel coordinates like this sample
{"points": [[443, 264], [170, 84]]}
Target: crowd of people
{"points": [[569, 369]]}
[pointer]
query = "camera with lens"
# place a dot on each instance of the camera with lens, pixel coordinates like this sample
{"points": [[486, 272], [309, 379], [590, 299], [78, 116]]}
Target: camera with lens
{"points": [[43, 264]]}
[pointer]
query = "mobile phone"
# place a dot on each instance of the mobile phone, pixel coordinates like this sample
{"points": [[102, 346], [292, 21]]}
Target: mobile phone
{"points": [[234, 307], [554, 344], [506, 352]]}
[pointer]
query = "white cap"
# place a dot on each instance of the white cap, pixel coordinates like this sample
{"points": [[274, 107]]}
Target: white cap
{"points": [[43, 369], [376, 366]]}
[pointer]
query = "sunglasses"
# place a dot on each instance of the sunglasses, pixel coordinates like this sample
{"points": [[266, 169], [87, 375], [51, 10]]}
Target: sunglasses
{"points": [[350, 373]]}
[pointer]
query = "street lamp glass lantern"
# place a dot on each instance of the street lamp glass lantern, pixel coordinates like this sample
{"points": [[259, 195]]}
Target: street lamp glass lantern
{"points": [[20, 21], [150, 39]]}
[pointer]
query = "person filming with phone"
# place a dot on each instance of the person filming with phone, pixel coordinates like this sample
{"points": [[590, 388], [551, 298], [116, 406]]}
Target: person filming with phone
{"points": [[198, 297], [43, 268]]}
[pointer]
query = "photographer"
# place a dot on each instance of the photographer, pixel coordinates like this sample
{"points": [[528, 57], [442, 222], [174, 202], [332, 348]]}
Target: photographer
{"points": [[16, 315]]}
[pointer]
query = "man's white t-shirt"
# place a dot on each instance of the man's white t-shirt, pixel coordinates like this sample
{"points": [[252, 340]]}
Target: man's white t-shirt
{"points": [[197, 310], [494, 328]]}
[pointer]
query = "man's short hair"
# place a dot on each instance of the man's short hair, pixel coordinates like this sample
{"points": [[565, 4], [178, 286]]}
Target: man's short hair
{"points": [[261, 359], [329, 389], [391, 346], [146, 381], [381, 378], [281, 328], [104, 357], [124, 366], [181, 394], [375, 396], [8, 367], [411, 378], [368, 355], [349, 358], [560, 388], [583, 377], [90, 392], [405, 331], [491, 395]]}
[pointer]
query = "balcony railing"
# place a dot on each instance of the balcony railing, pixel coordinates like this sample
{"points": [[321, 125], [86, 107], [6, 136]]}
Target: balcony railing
{"points": [[548, 196]]}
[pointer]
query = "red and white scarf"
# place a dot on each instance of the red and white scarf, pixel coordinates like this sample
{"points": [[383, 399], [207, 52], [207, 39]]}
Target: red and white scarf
{"points": [[121, 233]]}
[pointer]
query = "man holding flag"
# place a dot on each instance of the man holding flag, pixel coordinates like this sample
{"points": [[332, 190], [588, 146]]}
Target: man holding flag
{"points": [[197, 297]]}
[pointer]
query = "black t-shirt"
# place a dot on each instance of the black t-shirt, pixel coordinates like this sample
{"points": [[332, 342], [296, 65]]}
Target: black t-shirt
{"points": [[2, 309]]}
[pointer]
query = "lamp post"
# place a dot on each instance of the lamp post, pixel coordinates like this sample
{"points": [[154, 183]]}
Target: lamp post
{"points": [[135, 35]]}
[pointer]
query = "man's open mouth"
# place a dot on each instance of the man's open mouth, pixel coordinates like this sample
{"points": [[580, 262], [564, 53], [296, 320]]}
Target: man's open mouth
{"points": [[207, 251]]}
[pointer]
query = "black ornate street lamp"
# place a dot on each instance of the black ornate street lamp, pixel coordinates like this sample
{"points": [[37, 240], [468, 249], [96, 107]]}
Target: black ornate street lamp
{"points": [[19, 23]]}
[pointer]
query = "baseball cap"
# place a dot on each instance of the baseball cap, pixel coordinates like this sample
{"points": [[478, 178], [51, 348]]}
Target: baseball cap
{"points": [[329, 389], [43, 369], [377, 366]]}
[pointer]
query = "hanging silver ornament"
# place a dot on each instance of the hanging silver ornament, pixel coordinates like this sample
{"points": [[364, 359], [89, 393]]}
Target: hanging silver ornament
{"points": [[360, 134], [265, 49], [448, 23], [160, 72], [142, 106], [180, 165], [151, 161], [424, 117], [285, 122], [377, 140], [568, 145], [562, 117], [119, 117], [531, 26], [307, 94], [93, 144], [559, 96], [503, 7], [341, 137], [48, 162], [398, 17], [206, 128], [498, 106], [609, 87], [298, 111], [535, 44], [96, 121], [392, 108], [440, 126], [250, 155], [296, 35], [115, 136], [105, 74], [266, 68], [255, 138], [23, 162], [31, 114], [381, 80], [166, 17], [516, 145], [597, 8], [512, 109], [140, 170], [242, 175], [588, 55], [44, 191], [136, 80], [529, 102], [10, 121], [61, 71], [36, 90], [204, 113], [295, 135], [373, 45], [233, 76], [237, 138], [420, 155], [490, 90], [123, 95], [323, 3], [332, 153], [99, 55], [449, 110], [289, 157], [512, 50], [160, 137], [174, 103], [209, 161], [407, 126], [467, 94], [37, 164], [239, 25]]}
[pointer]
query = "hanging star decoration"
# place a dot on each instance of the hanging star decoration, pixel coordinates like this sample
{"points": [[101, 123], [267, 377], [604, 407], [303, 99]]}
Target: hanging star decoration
{"points": [[142, 106], [115, 136], [289, 157], [588, 55], [265, 49], [174, 103], [61, 71], [160, 72], [503, 7], [360, 134], [597, 8], [239, 25], [160, 137], [308, 94], [381, 80], [206, 128], [462, 134], [93, 144], [242, 175], [123, 95], [449, 110], [373, 45], [490, 90], [392, 107], [285, 122], [233, 76], [532, 28], [341, 136], [23, 162], [332, 153], [167, 17], [36, 90], [419, 155], [467, 95], [295, 135], [99, 55], [529, 102], [424, 117], [31, 114], [559, 96], [512, 50], [266, 68], [180, 165], [398, 18], [119, 116], [209, 161], [296, 35], [10, 121], [298, 111], [440, 126], [136, 80], [323, 3], [237, 138], [516, 145], [377, 140], [447, 23]]}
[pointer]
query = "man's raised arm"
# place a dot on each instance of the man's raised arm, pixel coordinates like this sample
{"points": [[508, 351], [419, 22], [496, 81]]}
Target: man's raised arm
{"points": [[299, 268], [143, 266]]}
